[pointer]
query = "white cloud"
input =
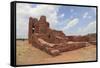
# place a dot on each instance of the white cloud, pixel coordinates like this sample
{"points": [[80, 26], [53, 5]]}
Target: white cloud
{"points": [[62, 15], [90, 28], [85, 15], [24, 11], [71, 23]]}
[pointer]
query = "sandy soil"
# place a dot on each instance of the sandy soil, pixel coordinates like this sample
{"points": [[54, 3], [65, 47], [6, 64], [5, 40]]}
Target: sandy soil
{"points": [[28, 54]]}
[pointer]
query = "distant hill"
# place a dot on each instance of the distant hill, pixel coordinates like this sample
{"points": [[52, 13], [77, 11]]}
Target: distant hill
{"points": [[85, 38], [92, 36]]}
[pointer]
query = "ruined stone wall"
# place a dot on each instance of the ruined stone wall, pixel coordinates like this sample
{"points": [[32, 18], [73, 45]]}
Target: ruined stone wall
{"points": [[32, 22], [30, 29], [41, 27]]}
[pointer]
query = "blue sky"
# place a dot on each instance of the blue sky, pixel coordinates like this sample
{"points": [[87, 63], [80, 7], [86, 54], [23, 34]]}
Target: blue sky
{"points": [[72, 20], [85, 15]]}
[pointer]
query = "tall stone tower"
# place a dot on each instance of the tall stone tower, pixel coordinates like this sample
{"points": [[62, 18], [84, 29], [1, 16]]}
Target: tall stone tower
{"points": [[35, 26], [42, 26], [32, 22]]}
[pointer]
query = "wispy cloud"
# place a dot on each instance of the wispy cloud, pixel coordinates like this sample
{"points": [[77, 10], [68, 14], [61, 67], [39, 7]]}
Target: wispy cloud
{"points": [[71, 23], [62, 15], [90, 28], [85, 15]]}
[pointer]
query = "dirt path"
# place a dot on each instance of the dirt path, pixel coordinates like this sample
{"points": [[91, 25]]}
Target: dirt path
{"points": [[27, 54]]}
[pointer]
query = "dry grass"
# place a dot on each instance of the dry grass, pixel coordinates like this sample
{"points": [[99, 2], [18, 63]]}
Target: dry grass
{"points": [[27, 54]]}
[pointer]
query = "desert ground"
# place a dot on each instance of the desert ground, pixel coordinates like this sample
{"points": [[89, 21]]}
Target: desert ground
{"points": [[28, 54]]}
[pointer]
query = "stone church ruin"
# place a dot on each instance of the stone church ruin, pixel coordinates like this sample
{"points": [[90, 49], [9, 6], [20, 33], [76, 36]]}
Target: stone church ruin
{"points": [[54, 42]]}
